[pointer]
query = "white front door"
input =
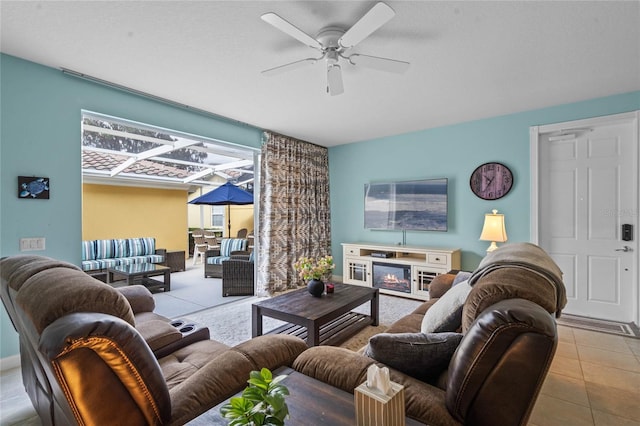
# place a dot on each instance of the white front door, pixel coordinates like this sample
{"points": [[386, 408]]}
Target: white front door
{"points": [[588, 189]]}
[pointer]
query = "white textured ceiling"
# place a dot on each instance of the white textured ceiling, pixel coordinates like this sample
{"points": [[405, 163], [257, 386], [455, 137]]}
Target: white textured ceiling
{"points": [[469, 60]]}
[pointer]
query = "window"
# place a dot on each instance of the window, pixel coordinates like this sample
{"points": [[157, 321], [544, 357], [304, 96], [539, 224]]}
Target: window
{"points": [[217, 216]]}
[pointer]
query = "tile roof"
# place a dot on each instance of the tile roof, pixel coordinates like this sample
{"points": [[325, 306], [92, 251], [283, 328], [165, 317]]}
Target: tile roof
{"points": [[103, 161]]}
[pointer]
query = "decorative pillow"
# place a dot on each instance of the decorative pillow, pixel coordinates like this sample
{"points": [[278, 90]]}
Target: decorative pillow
{"points": [[423, 356], [446, 313], [460, 277]]}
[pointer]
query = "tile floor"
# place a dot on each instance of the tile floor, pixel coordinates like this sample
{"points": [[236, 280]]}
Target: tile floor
{"points": [[594, 380]]}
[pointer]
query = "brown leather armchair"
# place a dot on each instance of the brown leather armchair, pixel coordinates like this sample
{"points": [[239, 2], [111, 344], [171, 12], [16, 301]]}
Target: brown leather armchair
{"points": [[85, 361]]}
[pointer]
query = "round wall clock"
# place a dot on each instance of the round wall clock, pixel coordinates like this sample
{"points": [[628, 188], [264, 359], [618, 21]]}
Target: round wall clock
{"points": [[491, 181]]}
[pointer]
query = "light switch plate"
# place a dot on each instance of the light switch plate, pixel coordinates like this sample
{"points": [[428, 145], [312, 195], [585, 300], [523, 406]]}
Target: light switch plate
{"points": [[32, 244]]}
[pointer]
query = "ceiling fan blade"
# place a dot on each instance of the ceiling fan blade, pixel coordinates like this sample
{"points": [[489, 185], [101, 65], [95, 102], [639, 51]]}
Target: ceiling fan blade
{"points": [[289, 67], [334, 80], [290, 29], [381, 64], [376, 17]]}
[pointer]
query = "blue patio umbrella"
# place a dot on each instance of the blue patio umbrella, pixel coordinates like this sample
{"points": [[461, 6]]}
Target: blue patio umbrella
{"points": [[225, 195]]}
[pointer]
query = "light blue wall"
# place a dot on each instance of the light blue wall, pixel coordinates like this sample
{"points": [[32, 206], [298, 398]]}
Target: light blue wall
{"points": [[451, 152], [40, 116]]}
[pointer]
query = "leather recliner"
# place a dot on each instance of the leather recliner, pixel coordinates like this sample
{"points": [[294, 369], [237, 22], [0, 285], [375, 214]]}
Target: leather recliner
{"points": [[85, 361]]}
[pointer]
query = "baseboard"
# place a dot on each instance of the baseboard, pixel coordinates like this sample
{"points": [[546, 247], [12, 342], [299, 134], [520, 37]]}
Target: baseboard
{"points": [[9, 363]]}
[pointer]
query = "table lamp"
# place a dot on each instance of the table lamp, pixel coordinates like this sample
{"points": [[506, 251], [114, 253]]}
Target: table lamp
{"points": [[493, 230]]}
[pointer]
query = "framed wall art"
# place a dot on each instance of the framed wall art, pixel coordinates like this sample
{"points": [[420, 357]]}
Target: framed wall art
{"points": [[32, 187]]}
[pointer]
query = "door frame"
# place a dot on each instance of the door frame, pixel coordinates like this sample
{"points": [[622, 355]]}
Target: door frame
{"points": [[535, 133]]}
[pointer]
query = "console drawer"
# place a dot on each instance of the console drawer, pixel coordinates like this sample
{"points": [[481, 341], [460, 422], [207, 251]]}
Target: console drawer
{"points": [[438, 258]]}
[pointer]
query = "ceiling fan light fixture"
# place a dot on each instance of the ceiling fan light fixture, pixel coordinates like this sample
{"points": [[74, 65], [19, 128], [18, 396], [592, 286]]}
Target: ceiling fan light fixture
{"points": [[332, 57], [334, 80]]}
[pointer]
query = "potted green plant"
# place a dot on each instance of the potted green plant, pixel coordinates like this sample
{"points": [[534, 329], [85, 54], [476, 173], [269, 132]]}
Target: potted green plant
{"points": [[261, 403]]}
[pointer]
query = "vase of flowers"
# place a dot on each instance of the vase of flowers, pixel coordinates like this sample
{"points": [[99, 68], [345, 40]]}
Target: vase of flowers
{"points": [[313, 271]]}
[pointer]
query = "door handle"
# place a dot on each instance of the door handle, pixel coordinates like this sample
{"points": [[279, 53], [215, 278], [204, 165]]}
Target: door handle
{"points": [[625, 249]]}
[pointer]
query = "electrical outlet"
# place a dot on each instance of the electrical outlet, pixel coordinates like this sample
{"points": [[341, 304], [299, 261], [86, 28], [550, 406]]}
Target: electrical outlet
{"points": [[32, 244]]}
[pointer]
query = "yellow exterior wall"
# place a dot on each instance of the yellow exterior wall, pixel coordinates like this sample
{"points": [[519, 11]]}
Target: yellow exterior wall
{"points": [[129, 212], [241, 217]]}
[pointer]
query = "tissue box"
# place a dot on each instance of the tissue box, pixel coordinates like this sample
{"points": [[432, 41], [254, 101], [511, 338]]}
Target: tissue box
{"points": [[374, 408]]}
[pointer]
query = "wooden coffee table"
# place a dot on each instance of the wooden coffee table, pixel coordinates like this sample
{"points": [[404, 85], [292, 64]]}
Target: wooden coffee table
{"points": [[140, 274], [325, 320], [310, 402]]}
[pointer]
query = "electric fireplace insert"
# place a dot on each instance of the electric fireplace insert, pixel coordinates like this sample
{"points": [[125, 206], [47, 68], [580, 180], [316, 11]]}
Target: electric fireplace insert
{"points": [[392, 276]]}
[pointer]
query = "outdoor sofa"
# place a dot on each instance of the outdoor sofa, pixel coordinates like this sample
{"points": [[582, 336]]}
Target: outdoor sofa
{"points": [[98, 255]]}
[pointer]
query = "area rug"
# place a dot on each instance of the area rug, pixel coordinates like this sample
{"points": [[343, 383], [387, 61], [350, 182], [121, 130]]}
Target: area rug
{"points": [[627, 329], [231, 323]]}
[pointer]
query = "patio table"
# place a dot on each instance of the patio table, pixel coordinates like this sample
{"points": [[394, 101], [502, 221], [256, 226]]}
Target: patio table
{"points": [[141, 273]]}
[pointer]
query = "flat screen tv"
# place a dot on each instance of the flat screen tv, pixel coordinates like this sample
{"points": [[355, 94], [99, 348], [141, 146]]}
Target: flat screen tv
{"points": [[414, 205]]}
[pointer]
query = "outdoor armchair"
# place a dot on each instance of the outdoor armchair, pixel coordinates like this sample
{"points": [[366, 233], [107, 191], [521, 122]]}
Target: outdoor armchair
{"points": [[238, 276], [213, 258]]}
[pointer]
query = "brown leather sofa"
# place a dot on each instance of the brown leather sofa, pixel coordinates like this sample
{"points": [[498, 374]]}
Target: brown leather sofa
{"points": [[509, 339], [92, 354]]}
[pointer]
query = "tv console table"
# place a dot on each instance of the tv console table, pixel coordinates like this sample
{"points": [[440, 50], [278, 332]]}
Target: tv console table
{"points": [[399, 270]]}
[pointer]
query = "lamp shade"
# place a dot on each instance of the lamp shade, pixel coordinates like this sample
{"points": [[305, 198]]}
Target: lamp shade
{"points": [[493, 229]]}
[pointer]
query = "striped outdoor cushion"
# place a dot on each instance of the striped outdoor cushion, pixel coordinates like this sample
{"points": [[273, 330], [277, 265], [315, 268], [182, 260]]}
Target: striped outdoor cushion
{"points": [[141, 246], [120, 248], [90, 265], [107, 263], [104, 249], [155, 258], [123, 261], [232, 244], [217, 260], [88, 250], [139, 259]]}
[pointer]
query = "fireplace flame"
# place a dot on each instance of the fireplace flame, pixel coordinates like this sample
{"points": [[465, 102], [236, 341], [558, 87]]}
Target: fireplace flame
{"points": [[390, 278]]}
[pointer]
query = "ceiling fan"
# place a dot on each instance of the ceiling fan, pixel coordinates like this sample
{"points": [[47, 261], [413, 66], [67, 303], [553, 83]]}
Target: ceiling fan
{"points": [[334, 44]]}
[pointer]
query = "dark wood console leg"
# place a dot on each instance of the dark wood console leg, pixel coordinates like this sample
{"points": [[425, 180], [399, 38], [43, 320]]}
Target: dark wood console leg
{"points": [[256, 321], [375, 308]]}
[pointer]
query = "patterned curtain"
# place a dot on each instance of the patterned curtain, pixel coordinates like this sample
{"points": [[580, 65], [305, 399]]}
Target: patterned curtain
{"points": [[294, 217]]}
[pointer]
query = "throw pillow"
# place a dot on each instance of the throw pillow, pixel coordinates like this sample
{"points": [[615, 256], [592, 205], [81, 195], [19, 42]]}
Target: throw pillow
{"points": [[460, 277], [446, 313], [423, 356]]}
